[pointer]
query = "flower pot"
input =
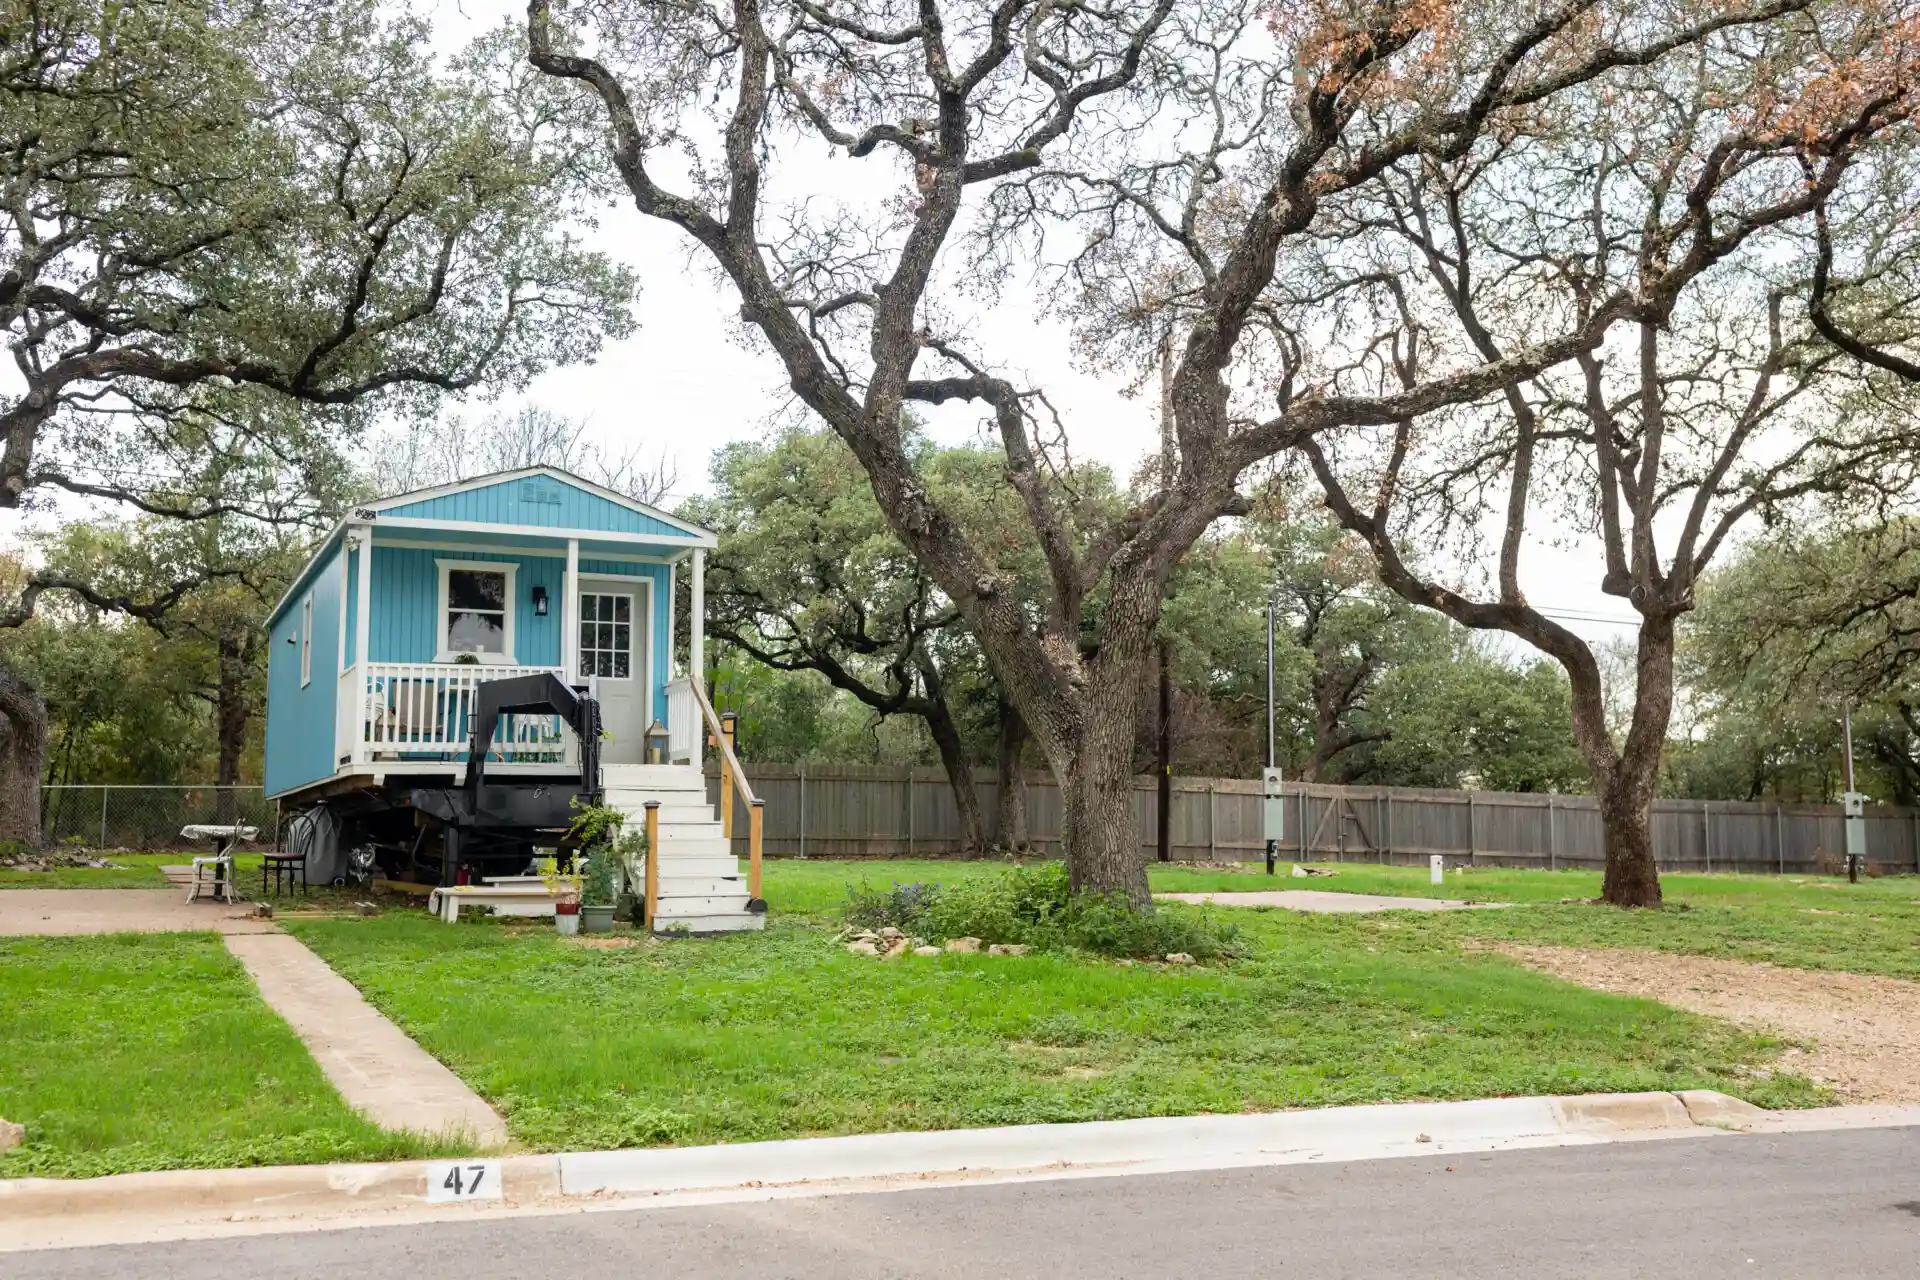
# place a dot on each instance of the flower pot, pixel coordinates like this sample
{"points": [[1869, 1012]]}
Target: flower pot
{"points": [[566, 918], [596, 919]]}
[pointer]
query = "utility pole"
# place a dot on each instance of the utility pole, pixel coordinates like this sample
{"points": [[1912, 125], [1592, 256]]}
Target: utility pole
{"points": [[1272, 805], [1166, 752]]}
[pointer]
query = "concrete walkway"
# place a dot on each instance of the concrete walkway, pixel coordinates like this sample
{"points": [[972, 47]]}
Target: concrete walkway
{"points": [[1323, 901], [378, 1070], [73, 912]]}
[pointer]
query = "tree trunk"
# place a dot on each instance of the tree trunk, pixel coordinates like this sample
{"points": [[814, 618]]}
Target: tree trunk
{"points": [[230, 726], [1626, 819], [1624, 777], [1104, 855], [23, 722], [1010, 815], [953, 758]]}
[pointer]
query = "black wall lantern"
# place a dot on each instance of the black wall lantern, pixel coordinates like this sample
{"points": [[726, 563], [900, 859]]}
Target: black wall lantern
{"points": [[540, 602]]}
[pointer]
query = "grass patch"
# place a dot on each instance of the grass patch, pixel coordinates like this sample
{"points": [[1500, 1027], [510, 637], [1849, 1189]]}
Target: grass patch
{"points": [[1804, 922], [784, 1034], [133, 1052]]}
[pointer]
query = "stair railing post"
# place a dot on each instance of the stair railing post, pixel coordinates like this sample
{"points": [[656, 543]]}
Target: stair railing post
{"points": [[651, 900], [754, 819], [726, 777]]}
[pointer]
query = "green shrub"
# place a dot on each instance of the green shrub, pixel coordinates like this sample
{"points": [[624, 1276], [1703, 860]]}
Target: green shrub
{"points": [[1110, 926], [904, 906], [1032, 904]]}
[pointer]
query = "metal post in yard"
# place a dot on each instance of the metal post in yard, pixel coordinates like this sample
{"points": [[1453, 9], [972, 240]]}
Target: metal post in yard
{"points": [[1213, 820], [103, 818]]}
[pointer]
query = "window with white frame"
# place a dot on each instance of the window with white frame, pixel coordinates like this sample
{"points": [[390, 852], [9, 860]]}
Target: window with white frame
{"points": [[476, 610], [306, 642]]}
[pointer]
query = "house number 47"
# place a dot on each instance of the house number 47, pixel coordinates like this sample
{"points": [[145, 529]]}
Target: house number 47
{"points": [[450, 1180]]}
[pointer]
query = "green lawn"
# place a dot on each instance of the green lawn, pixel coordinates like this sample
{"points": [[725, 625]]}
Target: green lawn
{"points": [[130, 871], [784, 1034], [1801, 921], [154, 1051]]}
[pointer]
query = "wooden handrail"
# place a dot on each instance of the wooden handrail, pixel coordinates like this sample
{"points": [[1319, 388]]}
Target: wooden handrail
{"points": [[730, 767], [726, 748]]}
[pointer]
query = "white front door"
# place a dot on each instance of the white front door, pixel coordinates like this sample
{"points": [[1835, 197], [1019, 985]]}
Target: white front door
{"points": [[615, 627]]}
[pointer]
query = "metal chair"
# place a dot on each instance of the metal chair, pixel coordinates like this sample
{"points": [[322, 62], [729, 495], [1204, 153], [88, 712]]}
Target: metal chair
{"points": [[287, 869]]}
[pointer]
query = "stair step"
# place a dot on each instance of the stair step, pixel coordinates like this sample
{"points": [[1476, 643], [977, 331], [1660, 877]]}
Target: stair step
{"points": [[675, 885], [705, 847], [742, 922], [679, 831], [682, 865], [653, 778], [700, 904]]}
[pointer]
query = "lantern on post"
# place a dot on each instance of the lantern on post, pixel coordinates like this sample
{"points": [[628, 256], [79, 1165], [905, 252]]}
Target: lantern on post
{"points": [[656, 742]]}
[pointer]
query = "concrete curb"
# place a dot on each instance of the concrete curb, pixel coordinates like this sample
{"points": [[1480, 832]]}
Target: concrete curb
{"points": [[51, 1212]]}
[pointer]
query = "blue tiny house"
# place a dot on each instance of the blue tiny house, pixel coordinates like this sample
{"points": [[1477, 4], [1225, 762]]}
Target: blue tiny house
{"points": [[508, 574], [540, 604]]}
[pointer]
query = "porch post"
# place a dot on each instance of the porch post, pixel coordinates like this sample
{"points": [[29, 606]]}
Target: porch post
{"points": [[569, 613], [697, 620], [362, 634]]}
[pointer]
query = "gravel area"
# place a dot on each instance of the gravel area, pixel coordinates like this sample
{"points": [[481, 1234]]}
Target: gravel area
{"points": [[1863, 1031]]}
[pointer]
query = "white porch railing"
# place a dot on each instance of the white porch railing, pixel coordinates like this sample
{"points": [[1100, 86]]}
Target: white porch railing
{"points": [[683, 723], [421, 711]]}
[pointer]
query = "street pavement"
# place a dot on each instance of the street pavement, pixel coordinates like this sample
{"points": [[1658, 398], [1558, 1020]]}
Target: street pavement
{"points": [[1828, 1204]]}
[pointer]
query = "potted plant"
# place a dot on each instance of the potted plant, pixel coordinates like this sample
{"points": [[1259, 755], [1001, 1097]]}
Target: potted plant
{"points": [[596, 833], [565, 888], [596, 892]]}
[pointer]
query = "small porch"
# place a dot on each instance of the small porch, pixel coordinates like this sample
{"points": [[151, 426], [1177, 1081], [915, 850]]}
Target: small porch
{"points": [[438, 614]]}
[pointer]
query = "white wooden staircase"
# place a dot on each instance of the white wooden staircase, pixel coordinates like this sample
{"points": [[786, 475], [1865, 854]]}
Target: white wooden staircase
{"points": [[701, 886]]}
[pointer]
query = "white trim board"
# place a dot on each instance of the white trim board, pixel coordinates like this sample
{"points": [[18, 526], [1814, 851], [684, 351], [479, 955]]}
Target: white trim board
{"points": [[535, 553], [705, 541], [551, 473]]}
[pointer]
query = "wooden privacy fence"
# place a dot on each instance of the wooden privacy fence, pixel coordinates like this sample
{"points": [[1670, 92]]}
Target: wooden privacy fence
{"points": [[882, 811]]}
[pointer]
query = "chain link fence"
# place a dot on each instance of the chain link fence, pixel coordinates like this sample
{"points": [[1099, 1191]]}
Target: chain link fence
{"points": [[149, 818]]}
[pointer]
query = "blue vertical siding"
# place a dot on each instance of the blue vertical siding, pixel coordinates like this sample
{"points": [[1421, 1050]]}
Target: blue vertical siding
{"points": [[406, 604], [662, 641], [300, 721], [539, 502], [352, 605]]}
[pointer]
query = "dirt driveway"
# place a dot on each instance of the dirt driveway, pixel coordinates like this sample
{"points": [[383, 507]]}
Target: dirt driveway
{"points": [[69, 912], [1865, 1030]]}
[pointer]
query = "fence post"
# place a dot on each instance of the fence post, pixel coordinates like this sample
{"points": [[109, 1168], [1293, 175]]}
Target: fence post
{"points": [[1779, 838], [1473, 829], [1914, 817], [1213, 820], [1301, 794], [103, 819], [1553, 835], [803, 811], [1386, 827], [1706, 833], [909, 811]]}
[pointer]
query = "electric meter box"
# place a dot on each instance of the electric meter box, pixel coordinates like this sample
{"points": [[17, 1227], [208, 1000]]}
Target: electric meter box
{"points": [[1273, 807], [1854, 806]]}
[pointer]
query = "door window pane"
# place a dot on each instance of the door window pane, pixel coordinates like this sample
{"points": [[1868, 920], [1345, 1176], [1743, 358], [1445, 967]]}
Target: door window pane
{"points": [[606, 635]]}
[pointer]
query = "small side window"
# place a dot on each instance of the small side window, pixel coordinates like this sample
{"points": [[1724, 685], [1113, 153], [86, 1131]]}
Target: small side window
{"points": [[306, 642]]}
